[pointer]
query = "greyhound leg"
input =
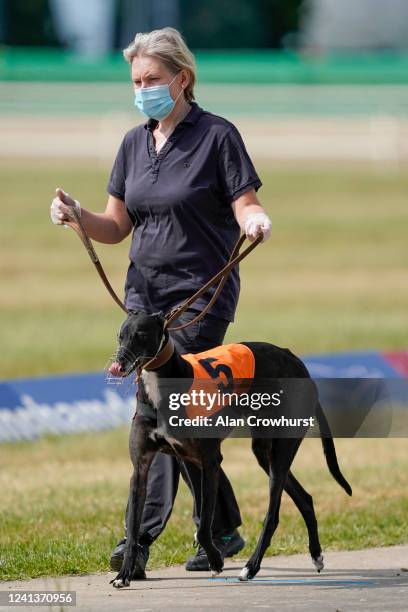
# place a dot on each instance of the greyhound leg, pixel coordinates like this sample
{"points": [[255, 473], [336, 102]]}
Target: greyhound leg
{"points": [[142, 450], [283, 453], [262, 449], [304, 503], [209, 487], [299, 496]]}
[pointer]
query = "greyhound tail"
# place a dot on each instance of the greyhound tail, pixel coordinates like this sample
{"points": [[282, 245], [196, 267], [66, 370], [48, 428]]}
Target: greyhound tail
{"points": [[329, 450]]}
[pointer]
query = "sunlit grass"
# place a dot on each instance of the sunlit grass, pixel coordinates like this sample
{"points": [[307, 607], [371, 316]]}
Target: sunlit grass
{"points": [[63, 500], [332, 277]]}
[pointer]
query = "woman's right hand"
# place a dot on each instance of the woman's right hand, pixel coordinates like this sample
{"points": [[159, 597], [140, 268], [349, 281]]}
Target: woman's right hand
{"points": [[61, 207]]}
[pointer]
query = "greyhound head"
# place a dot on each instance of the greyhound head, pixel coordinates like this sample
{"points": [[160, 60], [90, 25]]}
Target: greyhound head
{"points": [[140, 338]]}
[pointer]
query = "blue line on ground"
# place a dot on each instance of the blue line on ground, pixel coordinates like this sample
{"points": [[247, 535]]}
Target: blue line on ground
{"points": [[298, 581]]}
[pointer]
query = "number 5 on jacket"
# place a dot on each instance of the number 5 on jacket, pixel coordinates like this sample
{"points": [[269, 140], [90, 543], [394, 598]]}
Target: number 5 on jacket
{"points": [[216, 372]]}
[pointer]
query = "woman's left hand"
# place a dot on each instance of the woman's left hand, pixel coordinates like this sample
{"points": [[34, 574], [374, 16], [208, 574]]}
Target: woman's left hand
{"points": [[256, 224]]}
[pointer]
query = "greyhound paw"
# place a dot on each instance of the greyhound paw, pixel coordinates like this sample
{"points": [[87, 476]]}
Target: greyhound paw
{"points": [[244, 575], [318, 563], [119, 583], [216, 568], [216, 562]]}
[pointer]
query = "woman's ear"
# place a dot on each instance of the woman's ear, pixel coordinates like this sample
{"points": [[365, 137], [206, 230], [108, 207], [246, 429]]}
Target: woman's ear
{"points": [[185, 78]]}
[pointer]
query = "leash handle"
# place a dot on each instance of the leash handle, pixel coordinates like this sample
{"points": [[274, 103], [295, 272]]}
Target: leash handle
{"points": [[222, 276]]}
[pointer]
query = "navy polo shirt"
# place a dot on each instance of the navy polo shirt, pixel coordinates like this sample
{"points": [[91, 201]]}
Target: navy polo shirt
{"points": [[179, 201]]}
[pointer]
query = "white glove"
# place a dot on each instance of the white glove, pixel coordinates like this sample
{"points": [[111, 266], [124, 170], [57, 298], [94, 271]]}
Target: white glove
{"points": [[61, 207], [257, 223]]}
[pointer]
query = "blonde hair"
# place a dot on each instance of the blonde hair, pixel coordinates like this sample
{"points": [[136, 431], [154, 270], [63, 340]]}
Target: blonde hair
{"points": [[168, 46]]}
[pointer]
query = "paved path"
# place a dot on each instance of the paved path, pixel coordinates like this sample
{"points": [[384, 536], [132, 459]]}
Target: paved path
{"points": [[372, 580]]}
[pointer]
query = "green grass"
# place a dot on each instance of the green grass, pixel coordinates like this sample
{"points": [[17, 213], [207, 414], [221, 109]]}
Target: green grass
{"points": [[332, 277], [63, 500]]}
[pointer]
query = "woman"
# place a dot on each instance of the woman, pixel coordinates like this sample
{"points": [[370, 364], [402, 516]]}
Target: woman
{"points": [[184, 183]]}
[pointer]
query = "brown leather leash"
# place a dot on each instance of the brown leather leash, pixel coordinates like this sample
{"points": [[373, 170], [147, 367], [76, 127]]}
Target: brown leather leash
{"points": [[174, 314], [221, 277], [80, 230]]}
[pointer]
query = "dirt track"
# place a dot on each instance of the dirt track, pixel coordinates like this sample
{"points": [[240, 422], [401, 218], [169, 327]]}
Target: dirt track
{"points": [[302, 139], [374, 579], [278, 122]]}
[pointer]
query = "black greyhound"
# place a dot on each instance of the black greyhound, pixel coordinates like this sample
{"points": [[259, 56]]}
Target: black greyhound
{"points": [[143, 336]]}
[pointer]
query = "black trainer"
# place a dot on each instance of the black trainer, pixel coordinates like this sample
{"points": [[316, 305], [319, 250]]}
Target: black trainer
{"points": [[116, 559], [228, 545]]}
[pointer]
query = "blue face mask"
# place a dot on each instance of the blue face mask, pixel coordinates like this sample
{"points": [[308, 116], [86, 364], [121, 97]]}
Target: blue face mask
{"points": [[156, 102]]}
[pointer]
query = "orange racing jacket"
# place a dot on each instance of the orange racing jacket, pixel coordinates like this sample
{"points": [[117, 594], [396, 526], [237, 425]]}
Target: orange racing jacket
{"points": [[219, 372]]}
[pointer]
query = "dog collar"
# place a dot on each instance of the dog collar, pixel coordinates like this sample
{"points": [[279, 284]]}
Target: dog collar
{"points": [[161, 358]]}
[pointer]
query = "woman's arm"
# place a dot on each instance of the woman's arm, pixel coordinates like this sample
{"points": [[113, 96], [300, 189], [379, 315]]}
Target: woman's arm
{"points": [[251, 216], [109, 227]]}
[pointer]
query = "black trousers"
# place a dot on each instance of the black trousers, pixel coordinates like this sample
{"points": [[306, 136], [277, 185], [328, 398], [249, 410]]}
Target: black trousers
{"points": [[165, 470]]}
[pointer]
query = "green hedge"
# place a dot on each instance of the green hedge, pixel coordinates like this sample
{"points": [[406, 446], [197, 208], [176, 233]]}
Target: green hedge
{"points": [[244, 66]]}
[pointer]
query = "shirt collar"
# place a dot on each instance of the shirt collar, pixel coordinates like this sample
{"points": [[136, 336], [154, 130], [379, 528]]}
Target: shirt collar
{"points": [[192, 117]]}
